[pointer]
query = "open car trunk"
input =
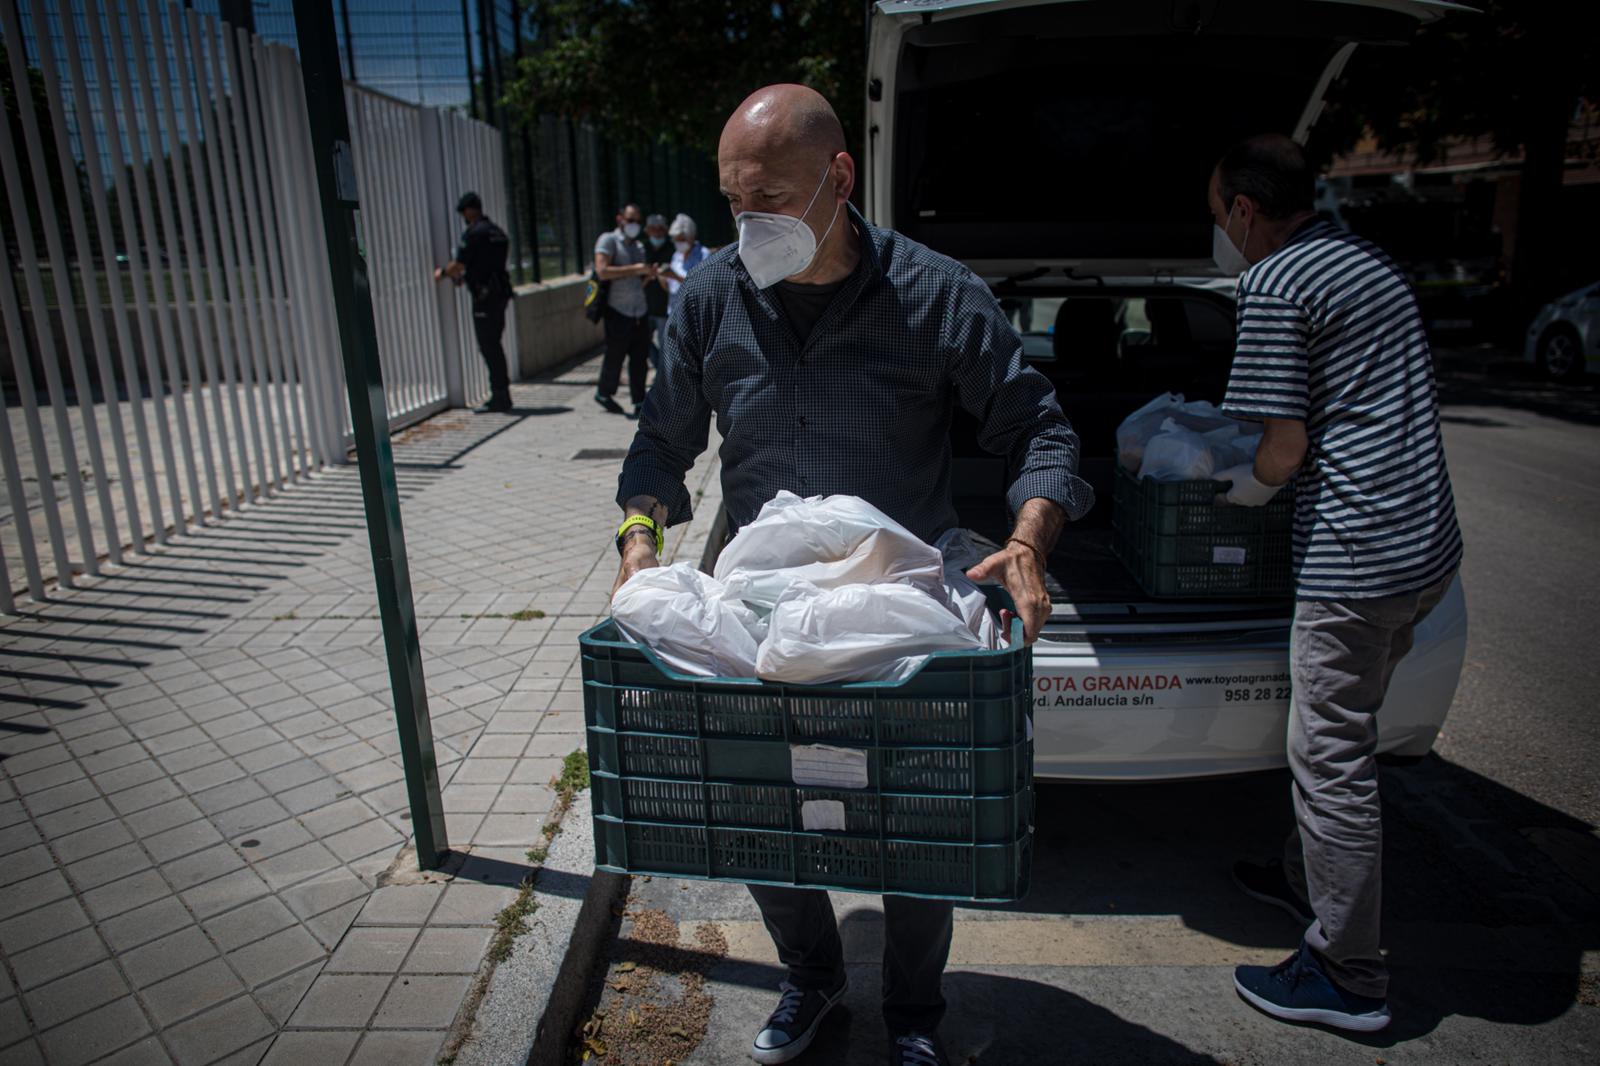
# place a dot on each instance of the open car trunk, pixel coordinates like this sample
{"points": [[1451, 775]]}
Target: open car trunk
{"points": [[1108, 350]]}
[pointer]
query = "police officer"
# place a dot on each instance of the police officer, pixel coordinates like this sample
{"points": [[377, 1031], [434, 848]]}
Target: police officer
{"points": [[480, 263]]}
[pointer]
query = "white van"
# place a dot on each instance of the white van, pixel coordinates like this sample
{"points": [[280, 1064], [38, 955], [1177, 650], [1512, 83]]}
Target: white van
{"points": [[1061, 149]]}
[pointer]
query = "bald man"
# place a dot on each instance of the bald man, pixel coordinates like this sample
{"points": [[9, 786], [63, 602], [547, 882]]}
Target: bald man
{"points": [[832, 353]]}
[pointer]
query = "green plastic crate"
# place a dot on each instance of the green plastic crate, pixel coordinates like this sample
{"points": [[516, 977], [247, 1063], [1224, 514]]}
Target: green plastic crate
{"points": [[1178, 542], [692, 776]]}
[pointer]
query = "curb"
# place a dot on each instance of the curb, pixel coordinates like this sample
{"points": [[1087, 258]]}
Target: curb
{"points": [[552, 963]]}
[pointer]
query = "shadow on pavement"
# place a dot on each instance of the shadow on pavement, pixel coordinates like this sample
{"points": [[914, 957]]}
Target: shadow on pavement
{"points": [[1490, 898], [1489, 377]]}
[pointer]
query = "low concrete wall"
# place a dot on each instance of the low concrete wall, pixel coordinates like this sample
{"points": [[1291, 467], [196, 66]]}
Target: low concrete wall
{"points": [[551, 327]]}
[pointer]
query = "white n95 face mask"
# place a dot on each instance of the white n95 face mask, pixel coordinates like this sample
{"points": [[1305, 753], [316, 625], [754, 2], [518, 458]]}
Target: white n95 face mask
{"points": [[773, 247], [630, 230], [1229, 259]]}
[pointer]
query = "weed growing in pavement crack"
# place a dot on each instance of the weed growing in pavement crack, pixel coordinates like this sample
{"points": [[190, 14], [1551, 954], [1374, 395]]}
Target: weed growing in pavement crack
{"points": [[527, 614]]}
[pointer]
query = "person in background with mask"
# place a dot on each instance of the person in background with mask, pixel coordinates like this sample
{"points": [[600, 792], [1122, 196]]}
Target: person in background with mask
{"points": [[832, 353], [687, 253], [658, 253], [620, 258], [1332, 358]]}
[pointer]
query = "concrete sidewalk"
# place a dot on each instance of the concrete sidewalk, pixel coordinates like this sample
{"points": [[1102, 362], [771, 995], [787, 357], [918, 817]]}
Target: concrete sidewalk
{"points": [[202, 810]]}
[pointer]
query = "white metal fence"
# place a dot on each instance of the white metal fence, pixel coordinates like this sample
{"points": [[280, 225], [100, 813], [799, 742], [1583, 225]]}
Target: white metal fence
{"points": [[170, 339]]}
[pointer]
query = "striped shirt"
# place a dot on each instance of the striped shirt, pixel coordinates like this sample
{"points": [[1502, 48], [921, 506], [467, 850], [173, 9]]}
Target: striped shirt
{"points": [[1329, 334]]}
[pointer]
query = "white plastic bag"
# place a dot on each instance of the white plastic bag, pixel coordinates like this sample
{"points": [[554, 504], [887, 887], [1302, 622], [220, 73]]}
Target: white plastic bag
{"points": [[825, 541], [687, 619], [857, 633], [1177, 454], [1139, 429]]}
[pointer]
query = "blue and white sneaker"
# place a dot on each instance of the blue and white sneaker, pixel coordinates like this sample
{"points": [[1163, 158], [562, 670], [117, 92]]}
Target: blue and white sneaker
{"points": [[793, 1025], [1298, 990]]}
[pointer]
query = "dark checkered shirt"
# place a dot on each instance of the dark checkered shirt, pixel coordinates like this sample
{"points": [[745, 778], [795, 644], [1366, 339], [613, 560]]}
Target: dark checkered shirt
{"points": [[863, 407]]}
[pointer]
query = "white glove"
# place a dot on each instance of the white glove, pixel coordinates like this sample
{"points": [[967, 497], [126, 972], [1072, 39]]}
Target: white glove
{"points": [[1247, 491]]}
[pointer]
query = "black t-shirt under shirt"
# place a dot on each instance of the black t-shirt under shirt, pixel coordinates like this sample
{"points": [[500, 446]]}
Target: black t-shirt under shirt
{"points": [[804, 305]]}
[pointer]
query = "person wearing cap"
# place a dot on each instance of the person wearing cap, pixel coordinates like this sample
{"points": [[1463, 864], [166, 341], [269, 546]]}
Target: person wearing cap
{"points": [[480, 264], [619, 258], [687, 253], [658, 253]]}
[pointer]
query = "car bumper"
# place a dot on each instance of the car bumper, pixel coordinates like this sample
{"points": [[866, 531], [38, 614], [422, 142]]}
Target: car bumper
{"points": [[1157, 711]]}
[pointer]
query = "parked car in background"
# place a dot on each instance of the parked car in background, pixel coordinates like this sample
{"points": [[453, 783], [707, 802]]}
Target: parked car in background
{"points": [[1564, 337]]}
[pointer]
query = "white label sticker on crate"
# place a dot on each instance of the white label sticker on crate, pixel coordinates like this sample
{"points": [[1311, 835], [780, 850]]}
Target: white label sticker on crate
{"points": [[826, 766], [822, 814], [1227, 556]]}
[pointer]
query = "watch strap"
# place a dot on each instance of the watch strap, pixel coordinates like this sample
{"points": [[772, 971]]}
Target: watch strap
{"points": [[640, 521]]}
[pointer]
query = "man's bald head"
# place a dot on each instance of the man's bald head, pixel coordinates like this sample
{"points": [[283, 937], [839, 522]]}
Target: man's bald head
{"points": [[784, 122]]}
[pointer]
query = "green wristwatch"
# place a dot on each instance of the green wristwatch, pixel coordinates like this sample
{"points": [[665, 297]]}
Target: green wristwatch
{"points": [[646, 522]]}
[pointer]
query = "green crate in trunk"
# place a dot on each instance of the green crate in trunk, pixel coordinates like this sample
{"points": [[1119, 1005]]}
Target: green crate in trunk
{"points": [[1178, 542]]}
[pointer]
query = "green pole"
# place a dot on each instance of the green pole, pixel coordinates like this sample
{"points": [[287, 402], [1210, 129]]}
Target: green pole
{"points": [[358, 343]]}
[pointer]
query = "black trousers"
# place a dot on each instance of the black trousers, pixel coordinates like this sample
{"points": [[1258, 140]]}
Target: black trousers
{"points": [[630, 338], [488, 323], [916, 945]]}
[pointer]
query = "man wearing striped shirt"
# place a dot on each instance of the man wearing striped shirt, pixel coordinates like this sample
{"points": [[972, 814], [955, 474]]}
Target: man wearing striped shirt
{"points": [[1332, 359]]}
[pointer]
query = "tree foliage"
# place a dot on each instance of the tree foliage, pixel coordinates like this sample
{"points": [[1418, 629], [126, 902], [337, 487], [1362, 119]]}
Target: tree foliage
{"points": [[1518, 72], [673, 70]]}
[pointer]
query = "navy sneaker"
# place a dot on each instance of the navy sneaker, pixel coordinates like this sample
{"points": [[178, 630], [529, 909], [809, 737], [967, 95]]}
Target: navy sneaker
{"points": [[1297, 990], [1268, 883], [793, 1025], [916, 1049]]}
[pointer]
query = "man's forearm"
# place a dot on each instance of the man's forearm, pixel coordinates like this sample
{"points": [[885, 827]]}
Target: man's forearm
{"points": [[1282, 451], [1038, 526]]}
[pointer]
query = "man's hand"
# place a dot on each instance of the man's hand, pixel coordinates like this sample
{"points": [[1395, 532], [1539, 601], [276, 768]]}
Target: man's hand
{"points": [[1247, 490], [638, 553], [1019, 569]]}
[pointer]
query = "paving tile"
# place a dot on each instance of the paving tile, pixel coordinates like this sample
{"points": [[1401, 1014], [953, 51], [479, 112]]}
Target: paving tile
{"points": [[251, 816], [524, 799], [108, 866], [399, 1049], [62, 796], [265, 758], [172, 954], [225, 797], [96, 1033], [210, 776], [144, 924], [280, 998], [251, 922], [330, 926], [484, 772], [358, 841], [468, 904], [202, 866], [448, 950], [147, 1052], [342, 814], [149, 822], [323, 892], [278, 954], [61, 823], [182, 840], [225, 892], [58, 957], [125, 894], [372, 949], [22, 896], [191, 991], [219, 1031], [467, 799], [340, 1001], [17, 836], [125, 777], [511, 829], [296, 865], [400, 905], [67, 997], [309, 797], [13, 1021], [422, 1002], [22, 1053], [271, 840], [300, 1048]]}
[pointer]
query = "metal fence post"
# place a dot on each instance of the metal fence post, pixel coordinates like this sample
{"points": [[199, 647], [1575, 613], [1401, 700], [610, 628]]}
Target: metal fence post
{"points": [[331, 153]]}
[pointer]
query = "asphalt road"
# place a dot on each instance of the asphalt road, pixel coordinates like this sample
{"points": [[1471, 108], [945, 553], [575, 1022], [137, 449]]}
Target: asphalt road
{"points": [[1123, 951]]}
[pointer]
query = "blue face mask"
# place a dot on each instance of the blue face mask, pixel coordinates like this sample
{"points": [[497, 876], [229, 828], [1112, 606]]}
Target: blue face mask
{"points": [[657, 242]]}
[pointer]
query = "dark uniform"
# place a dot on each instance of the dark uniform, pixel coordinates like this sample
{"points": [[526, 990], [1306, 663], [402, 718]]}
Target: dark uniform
{"points": [[483, 251]]}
